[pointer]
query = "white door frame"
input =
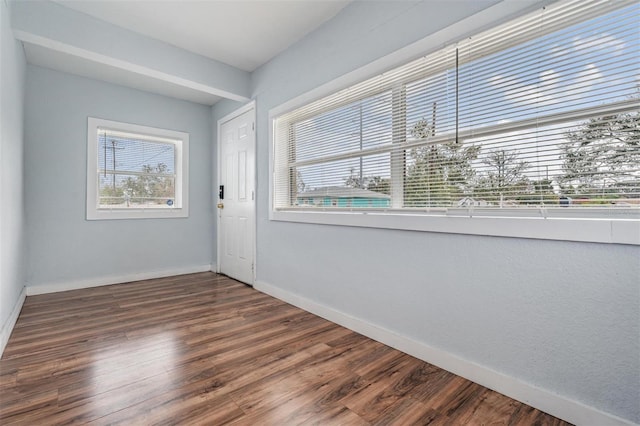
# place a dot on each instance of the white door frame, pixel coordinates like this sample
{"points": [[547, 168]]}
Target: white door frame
{"points": [[248, 107]]}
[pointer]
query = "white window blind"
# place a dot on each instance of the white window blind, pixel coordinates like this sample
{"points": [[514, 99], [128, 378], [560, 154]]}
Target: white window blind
{"points": [[539, 112], [136, 170]]}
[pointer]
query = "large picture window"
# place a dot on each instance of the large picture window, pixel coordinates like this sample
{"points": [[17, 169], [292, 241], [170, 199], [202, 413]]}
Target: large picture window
{"points": [[135, 171], [538, 117]]}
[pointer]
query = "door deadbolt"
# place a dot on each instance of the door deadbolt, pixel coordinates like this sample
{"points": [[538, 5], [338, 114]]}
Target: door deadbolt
{"points": [[220, 206]]}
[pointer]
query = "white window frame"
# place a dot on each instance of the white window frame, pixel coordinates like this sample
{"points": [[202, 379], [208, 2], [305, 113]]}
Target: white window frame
{"points": [[620, 226], [181, 203]]}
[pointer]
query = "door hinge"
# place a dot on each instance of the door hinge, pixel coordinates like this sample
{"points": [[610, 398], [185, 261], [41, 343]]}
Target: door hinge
{"points": [[253, 126]]}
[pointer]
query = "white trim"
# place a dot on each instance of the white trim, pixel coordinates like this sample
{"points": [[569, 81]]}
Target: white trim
{"points": [[238, 112], [10, 323], [612, 231], [124, 65], [181, 169], [247, 107], [272, 158], [54, 287], [542, 399]]}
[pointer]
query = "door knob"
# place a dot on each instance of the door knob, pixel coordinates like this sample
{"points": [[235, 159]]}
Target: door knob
{"points": [[220, 206]]}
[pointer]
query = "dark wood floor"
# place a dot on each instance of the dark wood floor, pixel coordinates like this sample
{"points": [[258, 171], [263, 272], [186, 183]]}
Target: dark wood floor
{"points": [[204, 349]]}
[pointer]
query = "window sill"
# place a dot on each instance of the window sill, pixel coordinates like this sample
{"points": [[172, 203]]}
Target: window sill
{"points": [[624, 229], [107, 214]]}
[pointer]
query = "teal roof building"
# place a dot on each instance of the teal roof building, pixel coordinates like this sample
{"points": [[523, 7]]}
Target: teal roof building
{"points": [[340, 196]]}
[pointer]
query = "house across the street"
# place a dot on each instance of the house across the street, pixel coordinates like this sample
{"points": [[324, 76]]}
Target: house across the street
{"points": [[340, 196]]}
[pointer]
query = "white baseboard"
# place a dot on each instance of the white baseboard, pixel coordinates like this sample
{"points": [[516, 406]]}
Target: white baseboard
{"points": [[55, 287], [7, 327], [544, 400]]}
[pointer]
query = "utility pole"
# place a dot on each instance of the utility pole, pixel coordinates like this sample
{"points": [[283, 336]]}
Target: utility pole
{"points": [[113, 149], [114, 146], [361, 181], [433, 119]]}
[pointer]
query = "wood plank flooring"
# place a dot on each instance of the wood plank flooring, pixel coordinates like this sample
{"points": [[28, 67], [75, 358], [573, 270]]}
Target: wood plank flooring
{"points": [[205, 349]]}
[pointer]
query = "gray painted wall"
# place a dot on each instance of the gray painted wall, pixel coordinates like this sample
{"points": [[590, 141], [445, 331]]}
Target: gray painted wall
{"points": [[561, 316], [12, 248], [63, 245]]}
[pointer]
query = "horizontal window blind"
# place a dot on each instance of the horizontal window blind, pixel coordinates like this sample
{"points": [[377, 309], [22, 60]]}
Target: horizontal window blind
{"points": [[135, 170], [541, 111]]}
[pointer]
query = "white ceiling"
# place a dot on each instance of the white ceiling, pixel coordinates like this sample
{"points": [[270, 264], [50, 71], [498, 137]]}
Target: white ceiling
{"points": [[241, 33]]}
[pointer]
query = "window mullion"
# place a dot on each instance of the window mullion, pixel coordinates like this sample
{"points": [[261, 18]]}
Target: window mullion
{"points": [[292, 170], [399, 129]]}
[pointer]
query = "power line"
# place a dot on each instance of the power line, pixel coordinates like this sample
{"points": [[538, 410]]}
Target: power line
{"points": [[113, 149]]}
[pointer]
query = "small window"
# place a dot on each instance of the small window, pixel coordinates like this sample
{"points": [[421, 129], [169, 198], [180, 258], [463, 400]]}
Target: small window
{"points": [[136, 172]]}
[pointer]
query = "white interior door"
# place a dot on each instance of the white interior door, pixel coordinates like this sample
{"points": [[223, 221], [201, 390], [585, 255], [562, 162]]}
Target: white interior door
{"points": [[236, 199]]}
